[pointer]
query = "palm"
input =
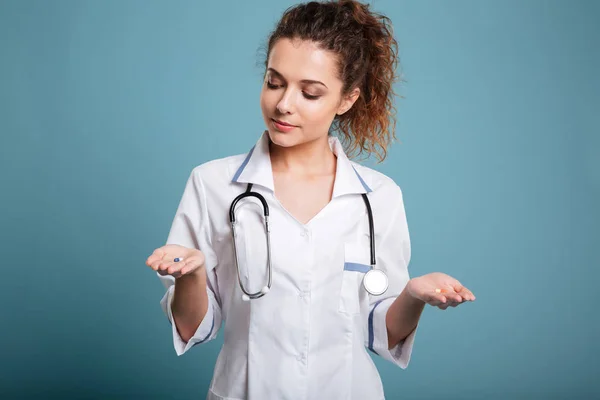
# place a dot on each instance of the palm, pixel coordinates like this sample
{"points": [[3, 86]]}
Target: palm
{"points": [[175, 260], [439, 289], [169, 253]]}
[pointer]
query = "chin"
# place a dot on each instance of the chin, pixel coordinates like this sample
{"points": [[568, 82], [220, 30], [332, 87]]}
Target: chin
{"points": [[283, 139]]}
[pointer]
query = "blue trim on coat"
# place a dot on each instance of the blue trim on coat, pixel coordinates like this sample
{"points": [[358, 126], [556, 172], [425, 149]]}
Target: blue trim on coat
{"points": [[367, 188], [241, 168], [209, 333], [350, 266], [371, 334]]}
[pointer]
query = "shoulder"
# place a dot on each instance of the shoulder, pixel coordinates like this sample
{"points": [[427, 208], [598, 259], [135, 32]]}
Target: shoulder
{"points": [[380, 184], [386, 197], [219, 171]]}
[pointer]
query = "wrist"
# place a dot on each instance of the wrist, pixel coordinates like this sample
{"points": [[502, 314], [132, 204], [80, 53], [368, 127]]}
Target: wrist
{"points": [[412, 297], [195, 275]]}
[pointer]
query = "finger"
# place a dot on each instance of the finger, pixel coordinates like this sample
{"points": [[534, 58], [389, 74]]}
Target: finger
{"points": [[167, 268], [457, 286], [164, 262], [454, 297], [158, 259], [467, 294], [175, 275], [156, 255], [151, 259], [471, 295], [158, 265], [163, 266], [436, 299], [183, 267], [447, 304], [175, 265], [449, 294], [191, 265], [155, 265]]}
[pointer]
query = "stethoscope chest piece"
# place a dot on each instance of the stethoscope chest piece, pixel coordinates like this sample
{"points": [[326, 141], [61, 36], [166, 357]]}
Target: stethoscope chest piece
{"points": [[375, 282]]}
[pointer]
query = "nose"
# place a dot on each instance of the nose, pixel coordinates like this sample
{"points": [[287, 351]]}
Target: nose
{"points": [[285, 104]]}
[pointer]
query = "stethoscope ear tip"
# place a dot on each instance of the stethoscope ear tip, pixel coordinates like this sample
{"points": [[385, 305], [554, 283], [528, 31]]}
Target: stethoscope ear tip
{"points": [[265, 290], [245, 297]]}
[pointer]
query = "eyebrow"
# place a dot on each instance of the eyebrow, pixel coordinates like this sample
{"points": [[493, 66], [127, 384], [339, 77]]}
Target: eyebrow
{"points": [[309, 81]]}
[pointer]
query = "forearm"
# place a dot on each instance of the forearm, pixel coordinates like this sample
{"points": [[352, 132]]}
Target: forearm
{"points": [[402, 317], [190, 303]]}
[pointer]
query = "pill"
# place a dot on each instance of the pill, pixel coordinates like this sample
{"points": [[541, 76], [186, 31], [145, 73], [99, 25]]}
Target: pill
{"points": [[178, 259]]}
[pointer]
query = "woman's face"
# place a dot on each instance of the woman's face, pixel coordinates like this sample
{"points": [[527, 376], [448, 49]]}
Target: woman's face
{"points": [[301, 88]]}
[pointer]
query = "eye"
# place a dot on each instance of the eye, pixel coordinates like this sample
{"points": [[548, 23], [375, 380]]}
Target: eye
{"points": [[272, 86], [310, 96], [306, 95]]}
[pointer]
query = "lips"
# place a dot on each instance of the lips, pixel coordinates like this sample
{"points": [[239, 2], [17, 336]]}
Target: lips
{"points": [[282, 123]]}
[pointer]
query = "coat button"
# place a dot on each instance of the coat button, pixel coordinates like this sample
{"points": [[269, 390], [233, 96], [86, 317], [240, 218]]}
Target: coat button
{"points": [[305, 233]]}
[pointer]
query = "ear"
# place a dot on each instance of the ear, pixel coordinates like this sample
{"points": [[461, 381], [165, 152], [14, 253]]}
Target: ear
{"points": [[348, 101]]}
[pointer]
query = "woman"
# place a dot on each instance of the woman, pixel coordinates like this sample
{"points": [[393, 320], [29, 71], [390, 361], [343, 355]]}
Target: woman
{"points": [[330, 66]]}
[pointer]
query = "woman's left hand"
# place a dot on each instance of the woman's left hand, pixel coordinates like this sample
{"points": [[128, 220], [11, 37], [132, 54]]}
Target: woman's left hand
{"points": [[439, 290]]}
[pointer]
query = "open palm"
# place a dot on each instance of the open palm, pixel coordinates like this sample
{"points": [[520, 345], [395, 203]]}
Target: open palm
{"points": [[439, 290]]}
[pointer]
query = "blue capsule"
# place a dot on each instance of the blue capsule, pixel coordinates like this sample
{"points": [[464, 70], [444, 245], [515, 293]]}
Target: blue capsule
{"points": [[178, 259]]}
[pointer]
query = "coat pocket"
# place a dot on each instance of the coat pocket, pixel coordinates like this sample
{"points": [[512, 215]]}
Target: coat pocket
{"points": [[356, 265]]}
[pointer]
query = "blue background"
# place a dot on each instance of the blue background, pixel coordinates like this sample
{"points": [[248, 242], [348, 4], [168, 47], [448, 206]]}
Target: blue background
{"points": [[106, 106]]}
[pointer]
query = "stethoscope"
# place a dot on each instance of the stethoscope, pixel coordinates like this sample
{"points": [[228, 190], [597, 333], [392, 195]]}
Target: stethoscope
{"points": [[375, 281]]}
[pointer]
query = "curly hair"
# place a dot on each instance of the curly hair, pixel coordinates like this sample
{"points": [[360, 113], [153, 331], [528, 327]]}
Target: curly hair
{"points": [[367, 55]]}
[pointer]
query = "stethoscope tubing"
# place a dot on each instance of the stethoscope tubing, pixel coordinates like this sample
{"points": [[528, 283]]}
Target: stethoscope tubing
{"points": [[265, 289]]}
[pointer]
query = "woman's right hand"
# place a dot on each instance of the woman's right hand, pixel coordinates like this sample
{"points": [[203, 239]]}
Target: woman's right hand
{"points": [[163, 261]]}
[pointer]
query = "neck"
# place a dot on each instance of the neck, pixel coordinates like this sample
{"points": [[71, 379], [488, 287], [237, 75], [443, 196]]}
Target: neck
{"points": [[311, 158]]}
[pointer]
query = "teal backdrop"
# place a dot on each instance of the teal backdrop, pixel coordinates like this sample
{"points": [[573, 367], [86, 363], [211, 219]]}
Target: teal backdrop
{"points": [[106, 106]]}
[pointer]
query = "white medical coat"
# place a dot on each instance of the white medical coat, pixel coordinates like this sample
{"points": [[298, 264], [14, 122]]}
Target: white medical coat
{"points": [[308, 337]]}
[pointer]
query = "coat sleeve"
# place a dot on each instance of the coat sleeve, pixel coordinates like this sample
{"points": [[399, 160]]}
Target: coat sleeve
{"points": [[191, 228], [393, 257]]}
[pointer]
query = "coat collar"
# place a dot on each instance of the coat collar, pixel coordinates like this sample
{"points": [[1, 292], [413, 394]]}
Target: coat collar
{"points": [[256, 169]]}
